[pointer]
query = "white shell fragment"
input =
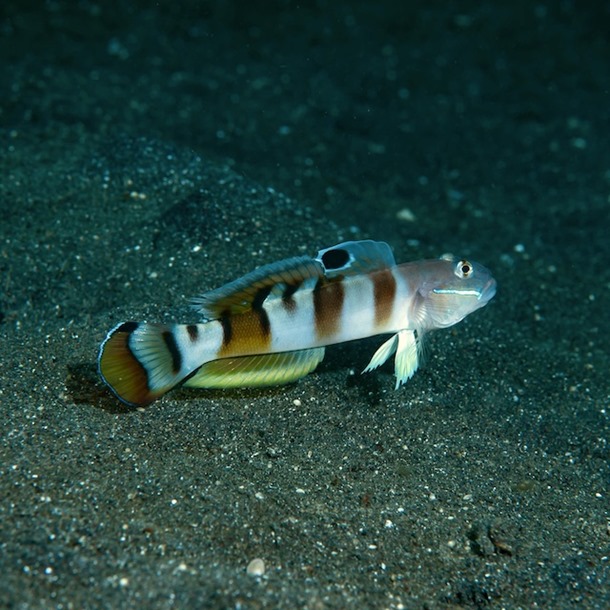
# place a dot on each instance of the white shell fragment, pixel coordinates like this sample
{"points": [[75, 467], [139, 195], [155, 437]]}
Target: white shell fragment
{"points": [[256, 567]]}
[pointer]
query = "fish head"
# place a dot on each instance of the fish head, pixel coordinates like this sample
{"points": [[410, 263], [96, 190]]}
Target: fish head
{"points": [[449, 290]]}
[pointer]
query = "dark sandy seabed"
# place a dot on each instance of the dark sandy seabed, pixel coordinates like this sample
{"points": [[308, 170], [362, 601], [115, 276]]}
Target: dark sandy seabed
{"points": [[149, 153]]}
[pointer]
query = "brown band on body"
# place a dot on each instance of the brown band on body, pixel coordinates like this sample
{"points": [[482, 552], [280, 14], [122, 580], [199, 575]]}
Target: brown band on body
{"points": [[328, 299], [288, 296], [259, 309], [227, 329], [384, 290], [193, 332], [172, 348], [246, 333]]}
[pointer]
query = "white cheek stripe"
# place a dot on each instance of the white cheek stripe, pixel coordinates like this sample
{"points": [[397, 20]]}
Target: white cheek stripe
{"points": [[465, 293]]}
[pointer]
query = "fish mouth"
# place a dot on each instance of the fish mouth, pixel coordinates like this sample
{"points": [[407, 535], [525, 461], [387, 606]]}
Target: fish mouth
{"points": [[489, 291]]}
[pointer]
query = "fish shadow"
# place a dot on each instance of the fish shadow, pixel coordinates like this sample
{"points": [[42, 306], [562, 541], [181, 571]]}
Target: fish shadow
{"points": [[84, 387]]}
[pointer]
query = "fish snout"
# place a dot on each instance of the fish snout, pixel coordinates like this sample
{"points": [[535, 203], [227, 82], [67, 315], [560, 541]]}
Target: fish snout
{"points": [[489, 290]]}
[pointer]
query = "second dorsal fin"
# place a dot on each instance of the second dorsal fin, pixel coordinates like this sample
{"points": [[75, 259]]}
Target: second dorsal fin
{"points": [[254, 287], [289, 275]]}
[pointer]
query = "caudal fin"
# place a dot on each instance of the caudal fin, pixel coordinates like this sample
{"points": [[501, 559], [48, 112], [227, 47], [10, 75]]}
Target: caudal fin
{"points": [[140, 362]]}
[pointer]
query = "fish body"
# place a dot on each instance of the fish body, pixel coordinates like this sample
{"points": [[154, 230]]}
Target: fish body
{"points": [[271, 326]]}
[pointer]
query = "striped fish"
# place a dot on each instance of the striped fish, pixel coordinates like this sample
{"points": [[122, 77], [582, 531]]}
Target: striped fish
{"points": [[271, 326]]}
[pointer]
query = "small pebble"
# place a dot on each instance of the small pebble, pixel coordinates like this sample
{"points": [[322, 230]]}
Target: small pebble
{"points": [[256, 567], [406, 214]]}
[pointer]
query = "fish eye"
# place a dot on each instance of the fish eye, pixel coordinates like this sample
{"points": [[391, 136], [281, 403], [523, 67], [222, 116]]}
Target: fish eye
{"points": [[464, 269]]}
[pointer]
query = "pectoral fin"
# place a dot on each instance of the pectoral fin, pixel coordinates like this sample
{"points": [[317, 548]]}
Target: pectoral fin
{"points": [[382, 354], [256, 371]]}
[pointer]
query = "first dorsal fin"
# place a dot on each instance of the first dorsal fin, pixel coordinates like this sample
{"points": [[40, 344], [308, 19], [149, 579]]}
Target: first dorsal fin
{"points": [[254, 287], [354, 257]]}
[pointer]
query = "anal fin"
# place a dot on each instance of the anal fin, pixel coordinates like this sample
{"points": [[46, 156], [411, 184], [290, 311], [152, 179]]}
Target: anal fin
{"points": [[256, 371]]}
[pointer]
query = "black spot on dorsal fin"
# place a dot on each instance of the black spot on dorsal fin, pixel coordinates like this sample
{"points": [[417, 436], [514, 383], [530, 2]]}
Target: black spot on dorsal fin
{"points": [[354, 257], [335, 259]]}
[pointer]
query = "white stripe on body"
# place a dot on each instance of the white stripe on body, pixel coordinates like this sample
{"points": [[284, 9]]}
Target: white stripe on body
{"points": [[357, 319], [399, 319], [204, 349]]}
